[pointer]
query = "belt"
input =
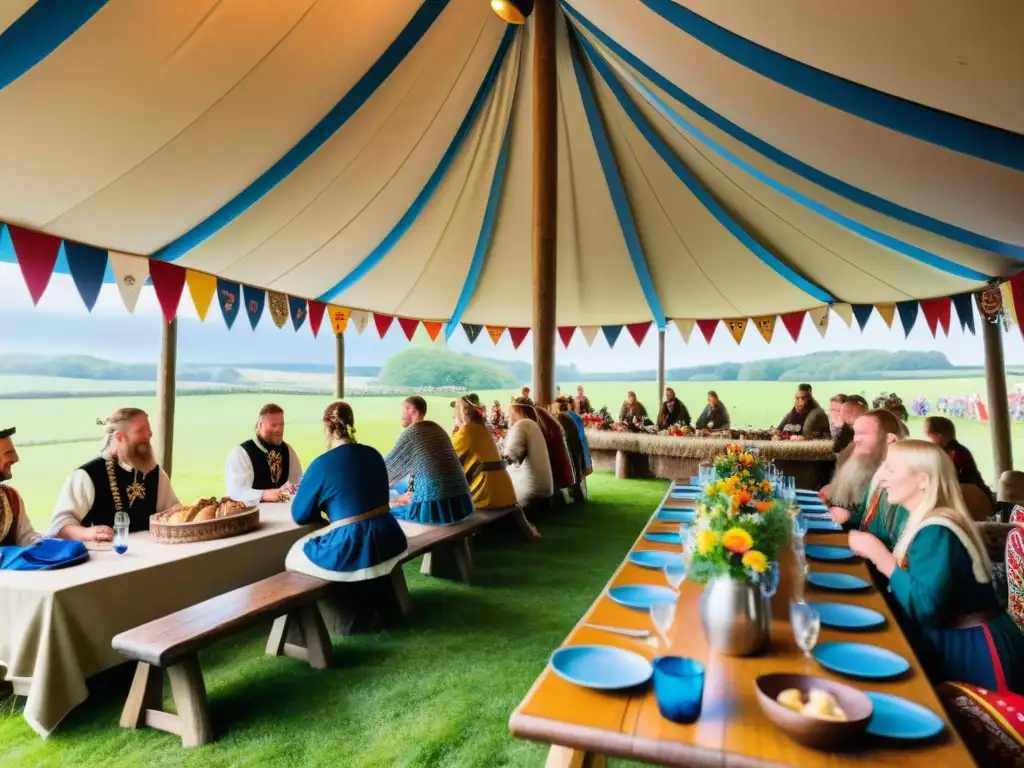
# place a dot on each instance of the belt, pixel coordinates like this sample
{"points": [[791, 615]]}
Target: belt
{"points": [[968, 620], [375, 512], [485, 466]]}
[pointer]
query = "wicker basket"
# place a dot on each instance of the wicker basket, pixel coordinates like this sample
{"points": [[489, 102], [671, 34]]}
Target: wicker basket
{"points": [[206, 530]]}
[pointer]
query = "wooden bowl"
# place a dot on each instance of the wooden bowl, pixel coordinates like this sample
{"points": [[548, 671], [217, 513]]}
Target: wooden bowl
{"points": [[811, 731], [206, 530]]}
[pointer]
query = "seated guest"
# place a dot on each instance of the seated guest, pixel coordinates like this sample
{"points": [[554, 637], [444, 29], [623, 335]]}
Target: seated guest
{"points": [[806, 419], [940, 575], [942, 432], [264, 468], [560, 409], [632, 410], [439, 492], [854, 407], [582, 402], [581, 430], [672, 411], [124, 477], [558, 451], [15, 527], [526, 454], [715, 415], [835, 413], [497, 417], [488, 480], [349, 486], [524, 394]]}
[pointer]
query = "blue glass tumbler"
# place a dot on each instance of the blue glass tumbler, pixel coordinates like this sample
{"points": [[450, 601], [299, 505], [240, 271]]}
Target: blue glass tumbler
{"points": [[679, 688]]}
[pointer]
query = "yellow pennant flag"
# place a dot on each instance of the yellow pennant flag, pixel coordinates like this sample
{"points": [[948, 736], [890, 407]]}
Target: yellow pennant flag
{"points": [[685, 327], [1009, 310], [819, 318], [495, 331], [202, 287], [888, 312], [736, 326], [766, 326], [339, 318], [279, 310], [845, 312], [590, 333]]}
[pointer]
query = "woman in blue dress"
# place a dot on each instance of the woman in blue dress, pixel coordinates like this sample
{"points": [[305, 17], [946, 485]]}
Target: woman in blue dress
{"points": [[349, 486]]}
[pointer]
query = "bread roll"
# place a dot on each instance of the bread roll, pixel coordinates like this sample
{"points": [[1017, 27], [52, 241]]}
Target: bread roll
{"points": [[792, 699], [206, 513], [177, 518]]}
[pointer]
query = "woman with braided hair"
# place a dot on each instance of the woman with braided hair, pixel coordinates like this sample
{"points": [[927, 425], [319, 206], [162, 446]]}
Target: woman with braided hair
{"points": [[347, 485]]}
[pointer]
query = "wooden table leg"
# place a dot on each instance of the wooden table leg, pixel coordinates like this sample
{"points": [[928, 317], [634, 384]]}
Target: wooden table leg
{"points": [[189, 694], [566, 757], [147, 692], [621, 465]]}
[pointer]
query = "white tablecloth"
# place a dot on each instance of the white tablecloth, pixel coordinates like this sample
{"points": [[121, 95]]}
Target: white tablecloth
{"points": [[56, 626]]}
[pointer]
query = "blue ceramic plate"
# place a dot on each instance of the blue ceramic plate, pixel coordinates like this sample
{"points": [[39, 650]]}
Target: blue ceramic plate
{"points": [[897, 718], [686, 489], [823, 525], [825, 552], [845, 616], [654, 558], [844, 582], [641, 596], [677, 515], [861, 660], [804, 494], [811, 506], [601, 667], [664, 538]]}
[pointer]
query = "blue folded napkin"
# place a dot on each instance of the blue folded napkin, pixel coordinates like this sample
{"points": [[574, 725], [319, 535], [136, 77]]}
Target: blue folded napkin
{"points": [[45, 555]]}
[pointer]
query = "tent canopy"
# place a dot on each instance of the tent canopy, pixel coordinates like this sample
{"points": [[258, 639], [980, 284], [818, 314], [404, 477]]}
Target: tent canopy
{"points": [[717, 158]]}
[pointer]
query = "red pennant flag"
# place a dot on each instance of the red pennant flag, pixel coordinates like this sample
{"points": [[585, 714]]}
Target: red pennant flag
{"points": [[433, 327], [638, 331], [37, 254], [1017, 292], [315, 312], [565, 333], [794, 321], [408, 326], [937, 313], [707, 329], [518, 336], [383, 322], [168, 282]]}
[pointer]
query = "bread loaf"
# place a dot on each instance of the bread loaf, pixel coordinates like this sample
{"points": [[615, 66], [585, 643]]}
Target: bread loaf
{"points": [[206, 513]]}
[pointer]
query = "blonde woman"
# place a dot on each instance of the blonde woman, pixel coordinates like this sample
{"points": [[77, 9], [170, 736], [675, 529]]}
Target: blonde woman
{"points": [[940, 574], [485, 471], [526, 454]]}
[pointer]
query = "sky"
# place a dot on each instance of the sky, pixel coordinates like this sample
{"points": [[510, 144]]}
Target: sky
{"points": [[61, 298]]}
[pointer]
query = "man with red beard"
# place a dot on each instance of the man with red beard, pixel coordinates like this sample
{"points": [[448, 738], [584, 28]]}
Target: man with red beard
{"points": [[123, 477]]}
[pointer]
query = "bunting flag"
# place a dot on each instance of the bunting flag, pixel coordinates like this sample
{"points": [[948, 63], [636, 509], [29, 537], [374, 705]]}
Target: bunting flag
{"points": [[229, 296], [495, 332], [908, 315], [964, 312], [297, 309], [255, 298], [279, 311], [589, 333], [409, 326], [565, 333], [433, 328], [863, 313], [737, 327], [766, 327], [639, 331], [339, 318], [707, 329], [518, 336], [472, 331], [611, 333], [201, 288], [169, 284], [845, 312], [794, 322], [383, 323], [888, 313], [937, 314], [130, 274], [315, 309], [819, 317], [685, 328], [360, 318], [87, 265], [1011, 311], [36, 253]]}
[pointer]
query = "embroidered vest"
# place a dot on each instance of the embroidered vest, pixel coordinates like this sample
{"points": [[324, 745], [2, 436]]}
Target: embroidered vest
{"points": [[102, 510], [10, 512], [270, 469]]}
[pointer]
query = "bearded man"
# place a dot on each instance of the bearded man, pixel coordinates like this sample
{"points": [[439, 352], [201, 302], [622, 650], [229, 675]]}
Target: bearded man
{"points": [[15, 527], [265, 468], [124, 477]]}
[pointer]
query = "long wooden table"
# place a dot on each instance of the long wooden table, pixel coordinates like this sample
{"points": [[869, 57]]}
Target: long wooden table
{"points": [[583, 725]]}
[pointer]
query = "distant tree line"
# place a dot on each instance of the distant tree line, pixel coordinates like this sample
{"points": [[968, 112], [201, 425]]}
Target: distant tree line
{"points": [[85, 367], [435, 367]]}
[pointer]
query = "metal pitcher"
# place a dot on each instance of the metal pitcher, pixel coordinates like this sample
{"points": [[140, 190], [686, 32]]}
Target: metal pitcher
{"points": [[735, 616]]}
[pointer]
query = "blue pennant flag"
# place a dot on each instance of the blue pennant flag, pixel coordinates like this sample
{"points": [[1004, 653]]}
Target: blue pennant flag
{"points": [[229, 296], [611, 333], [255, 298], [863, 313], [88, 266], [908, 314], [964, 305], [297, 309], [472, 331]]}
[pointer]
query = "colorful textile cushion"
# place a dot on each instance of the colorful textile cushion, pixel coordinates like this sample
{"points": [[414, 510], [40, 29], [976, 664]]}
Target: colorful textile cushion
{"points": [[991, 724], [1015, 576], [1017, 514]]}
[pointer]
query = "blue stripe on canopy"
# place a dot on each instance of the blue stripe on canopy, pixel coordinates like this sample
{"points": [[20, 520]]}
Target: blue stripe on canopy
{"points": [[887, 241], [416, 208], [38, 32], [617, 191], [696, 187], [797, 166], [960, 134], [349, 104]]}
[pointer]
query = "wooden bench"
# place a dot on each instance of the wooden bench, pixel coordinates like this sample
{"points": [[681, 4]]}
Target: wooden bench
{"points": [[173, 642]]}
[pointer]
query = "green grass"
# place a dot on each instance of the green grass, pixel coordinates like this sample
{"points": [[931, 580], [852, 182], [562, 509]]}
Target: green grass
{"points": [[436, 690]]}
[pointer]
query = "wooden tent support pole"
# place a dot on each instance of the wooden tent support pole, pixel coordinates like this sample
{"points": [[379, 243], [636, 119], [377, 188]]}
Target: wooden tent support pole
{"points": [[545, 201], [166, 381], [661, 367], [998, 406], [339, 365]]}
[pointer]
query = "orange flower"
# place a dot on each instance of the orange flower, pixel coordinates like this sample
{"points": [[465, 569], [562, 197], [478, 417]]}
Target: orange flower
{"points": [[737, 540], [763, 506], [744, 497]]}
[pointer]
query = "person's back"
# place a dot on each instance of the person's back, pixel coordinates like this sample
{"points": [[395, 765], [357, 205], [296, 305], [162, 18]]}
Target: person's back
{"points": [[529, 466], [489, 481], [558, 451], [440, 492]]}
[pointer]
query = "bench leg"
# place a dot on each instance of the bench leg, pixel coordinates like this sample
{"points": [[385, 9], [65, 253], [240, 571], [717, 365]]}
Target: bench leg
{"points": [[189, 694], [147, 692], [452, 561], [401, 589], [278, 636], [302, 635], [566, 757]]}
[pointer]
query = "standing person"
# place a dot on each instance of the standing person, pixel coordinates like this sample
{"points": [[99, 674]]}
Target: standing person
{"points": [[715, 415], [489, 482], [123, 477], [265, 468], [632, 410], [524, 394], [806, 419], [526, 454], [582, 402], [672, 411], [15, 527]]}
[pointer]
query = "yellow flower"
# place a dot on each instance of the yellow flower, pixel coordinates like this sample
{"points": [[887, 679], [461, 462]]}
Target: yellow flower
{"points": [[755, 561], [706, 541], [737, 540]]}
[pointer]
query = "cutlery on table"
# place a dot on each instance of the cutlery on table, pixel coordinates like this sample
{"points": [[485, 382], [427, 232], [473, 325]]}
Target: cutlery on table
{"points": [[638, 633]]}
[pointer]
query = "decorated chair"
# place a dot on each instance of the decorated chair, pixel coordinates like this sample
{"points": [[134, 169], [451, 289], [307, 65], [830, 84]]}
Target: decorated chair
{"points": [[991, 723], [1015, 575]]}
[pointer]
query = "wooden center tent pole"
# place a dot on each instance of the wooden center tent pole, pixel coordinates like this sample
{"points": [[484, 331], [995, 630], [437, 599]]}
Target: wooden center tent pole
{"points": [[661, 367], [339, 372], [166, 382]]}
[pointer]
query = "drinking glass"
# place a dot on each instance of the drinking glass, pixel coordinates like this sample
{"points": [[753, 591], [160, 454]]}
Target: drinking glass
{"points": [[770, 580], [662, 616], [806, 625], [675, 573], [678, 688]]}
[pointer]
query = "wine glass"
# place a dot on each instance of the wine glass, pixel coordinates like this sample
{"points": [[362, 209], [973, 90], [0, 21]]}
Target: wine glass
{"points": [[675, 573], [663, 614], [806, 625]]}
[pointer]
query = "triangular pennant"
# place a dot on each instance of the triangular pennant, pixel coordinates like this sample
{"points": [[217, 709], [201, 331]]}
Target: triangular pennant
{"points": [[339, 318], [565, 333], [360, 318], [685, 327], [964, 311], [409, 326], [297, 309], [383, 323], [908, 315], [130, 274], [766, 327], [937, 314], [169, 284], [433, 328], [794, 322], [495, 332], [316, 310], [737, 326], [36, 253], [819, 317], [639, 331], [887, 312], [1013, 299], [278, 304], [201, 287], [229, 296], [255, 298], [863, 313], [611, 333], [518, 336], [472, 331], [590, 333], [707, 329], [845, 312], [87, 265]]}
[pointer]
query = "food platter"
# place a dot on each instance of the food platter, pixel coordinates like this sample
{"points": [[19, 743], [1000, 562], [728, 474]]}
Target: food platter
{"points": [[205, 520]]}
